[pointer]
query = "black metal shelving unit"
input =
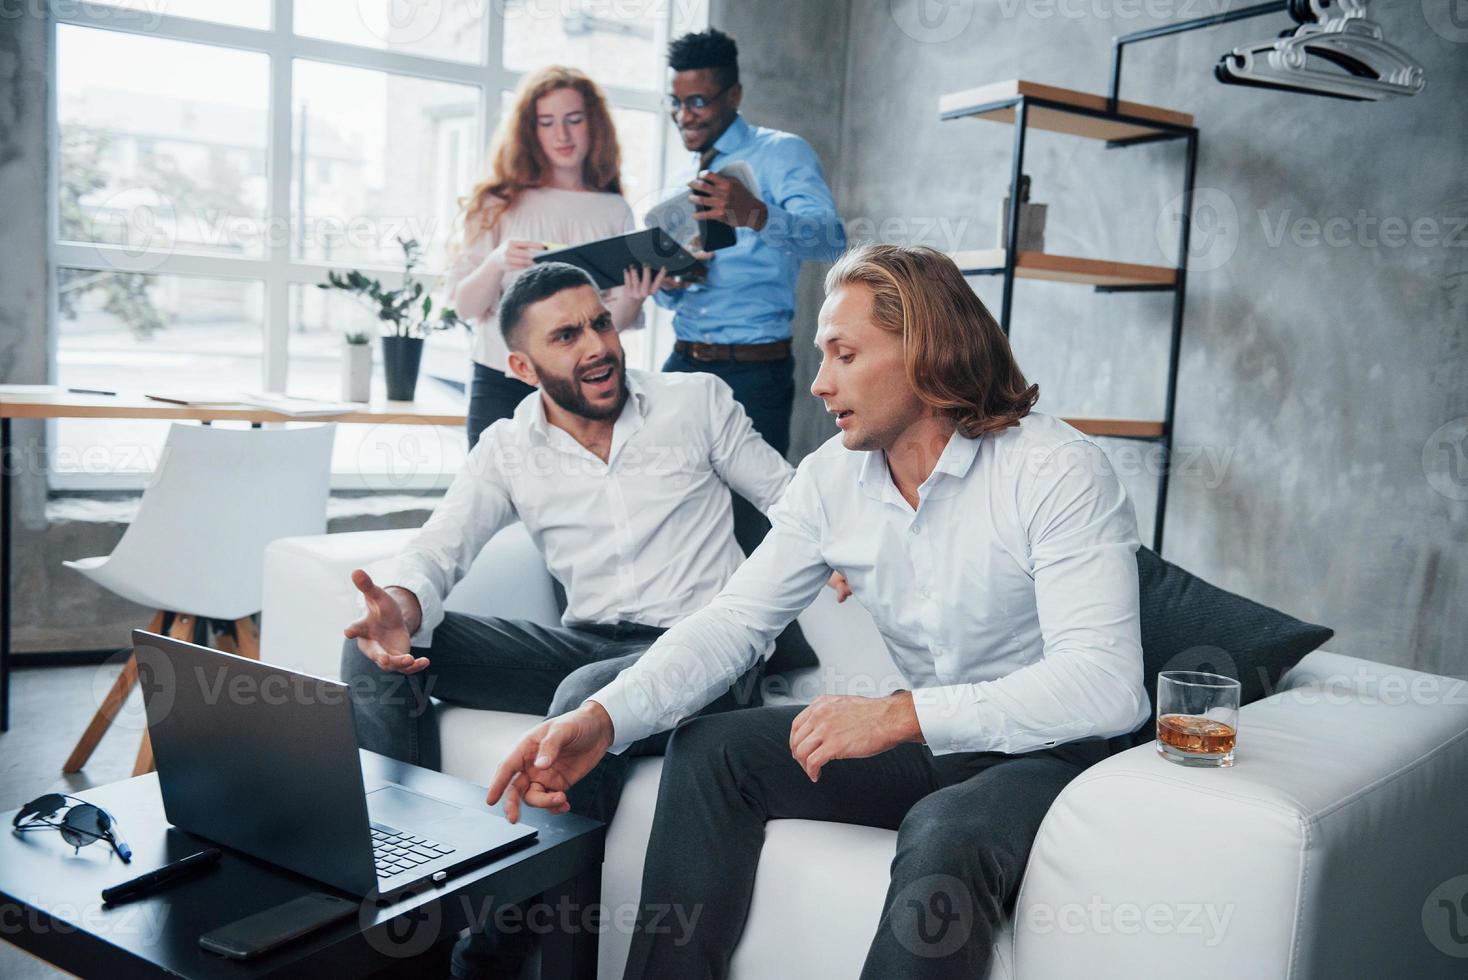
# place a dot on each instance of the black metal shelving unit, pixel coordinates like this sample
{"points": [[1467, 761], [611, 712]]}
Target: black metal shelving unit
{"points": [[1027, 105]]}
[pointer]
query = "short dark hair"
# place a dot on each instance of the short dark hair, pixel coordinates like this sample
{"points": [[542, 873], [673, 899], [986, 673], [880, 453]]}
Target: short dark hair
{"points": [[709, 49], [541, 281]]}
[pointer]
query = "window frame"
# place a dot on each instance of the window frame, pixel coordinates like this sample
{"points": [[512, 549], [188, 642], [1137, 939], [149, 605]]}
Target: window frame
{"points": [[277, 269]]}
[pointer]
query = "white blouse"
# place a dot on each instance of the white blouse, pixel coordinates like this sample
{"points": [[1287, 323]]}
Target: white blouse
{"points": [[541, 214]]}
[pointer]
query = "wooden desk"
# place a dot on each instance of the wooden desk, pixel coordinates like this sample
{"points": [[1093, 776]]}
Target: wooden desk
{"points": [[55, 402]]}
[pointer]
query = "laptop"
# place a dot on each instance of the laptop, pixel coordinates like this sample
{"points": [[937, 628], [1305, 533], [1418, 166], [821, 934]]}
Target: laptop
{"points": [[265, 760]]}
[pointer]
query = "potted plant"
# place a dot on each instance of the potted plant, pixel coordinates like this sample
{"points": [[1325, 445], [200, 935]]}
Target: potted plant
{"points": [[356, 367], [407, 317]]}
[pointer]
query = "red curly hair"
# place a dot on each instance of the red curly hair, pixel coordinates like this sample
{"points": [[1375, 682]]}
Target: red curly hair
{"points": [[516, 161]]}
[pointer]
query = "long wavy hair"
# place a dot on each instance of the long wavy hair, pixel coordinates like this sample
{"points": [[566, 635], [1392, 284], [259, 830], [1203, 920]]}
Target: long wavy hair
{"points": [[956, 357], [516, 162]]}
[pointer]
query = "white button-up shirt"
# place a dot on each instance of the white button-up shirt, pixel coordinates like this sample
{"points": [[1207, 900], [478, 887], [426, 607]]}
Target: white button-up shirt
{"points": [[645, 537], [1007, 598]]}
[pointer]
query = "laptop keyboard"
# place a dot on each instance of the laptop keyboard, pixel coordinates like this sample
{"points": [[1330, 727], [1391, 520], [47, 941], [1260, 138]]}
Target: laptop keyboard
{"points": [[395, 852]]}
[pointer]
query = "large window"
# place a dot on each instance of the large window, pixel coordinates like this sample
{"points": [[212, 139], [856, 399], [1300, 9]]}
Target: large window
{"points": [[216, 159]]}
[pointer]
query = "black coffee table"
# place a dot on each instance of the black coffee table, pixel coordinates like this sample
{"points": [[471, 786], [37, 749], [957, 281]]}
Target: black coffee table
{"points": [[50, 902]]}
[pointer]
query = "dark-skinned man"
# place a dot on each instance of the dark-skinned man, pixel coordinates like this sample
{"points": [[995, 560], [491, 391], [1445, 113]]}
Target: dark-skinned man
{"points": [[736, 324]]}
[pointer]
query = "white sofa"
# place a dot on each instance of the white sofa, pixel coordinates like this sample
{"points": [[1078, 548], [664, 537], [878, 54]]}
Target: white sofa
{"points": [[1317, 855]]}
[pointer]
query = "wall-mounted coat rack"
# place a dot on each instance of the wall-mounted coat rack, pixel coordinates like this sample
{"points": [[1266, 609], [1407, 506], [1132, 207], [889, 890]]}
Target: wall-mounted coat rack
{"points": [[1335, 52]]}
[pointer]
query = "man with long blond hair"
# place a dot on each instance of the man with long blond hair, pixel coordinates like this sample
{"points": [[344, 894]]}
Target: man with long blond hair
{"points": [[995, 549]]}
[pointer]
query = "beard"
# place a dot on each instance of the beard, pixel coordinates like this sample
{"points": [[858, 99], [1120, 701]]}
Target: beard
{"points": [[566, 391]]}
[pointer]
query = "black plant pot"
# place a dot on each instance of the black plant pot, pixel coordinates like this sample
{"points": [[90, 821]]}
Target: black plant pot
{"points": [[400, 359]]}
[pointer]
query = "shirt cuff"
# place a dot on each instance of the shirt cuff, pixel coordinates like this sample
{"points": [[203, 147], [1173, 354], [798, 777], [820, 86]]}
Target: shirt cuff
{"points": [[956, 718], [390, 573], [627, 724]]}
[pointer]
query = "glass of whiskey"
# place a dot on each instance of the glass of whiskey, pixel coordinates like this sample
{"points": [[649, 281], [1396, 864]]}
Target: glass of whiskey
{"points": [[1197, 718]]}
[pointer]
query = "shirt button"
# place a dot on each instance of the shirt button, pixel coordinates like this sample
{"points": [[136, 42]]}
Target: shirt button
{"points": [[927, 593], [915, 529]]}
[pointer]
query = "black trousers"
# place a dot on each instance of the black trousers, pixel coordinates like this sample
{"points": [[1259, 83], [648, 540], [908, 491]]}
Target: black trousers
{"points": [[965, 823], [493, 395]]}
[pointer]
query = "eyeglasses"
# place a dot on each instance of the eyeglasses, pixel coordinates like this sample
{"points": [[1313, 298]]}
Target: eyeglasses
{"points": [[82, 824], [676, 104]]}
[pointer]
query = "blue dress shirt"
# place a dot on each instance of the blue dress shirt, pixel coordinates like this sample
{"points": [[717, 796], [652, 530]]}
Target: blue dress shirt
{"points": [[749, 296]]}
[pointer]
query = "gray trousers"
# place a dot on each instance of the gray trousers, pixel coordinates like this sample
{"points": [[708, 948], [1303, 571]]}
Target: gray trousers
{"points": [[964, 823], [510, 665]]}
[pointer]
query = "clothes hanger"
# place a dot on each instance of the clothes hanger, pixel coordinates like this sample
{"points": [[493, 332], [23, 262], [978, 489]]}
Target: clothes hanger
{"points": [[1366, 68]]}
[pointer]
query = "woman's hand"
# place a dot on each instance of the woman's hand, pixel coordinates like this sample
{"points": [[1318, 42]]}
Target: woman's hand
{"points": [[516, 254], [639, 282]]}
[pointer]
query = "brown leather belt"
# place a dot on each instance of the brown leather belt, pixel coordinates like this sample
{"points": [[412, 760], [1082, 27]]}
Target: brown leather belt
{"points": [[775, 350]]}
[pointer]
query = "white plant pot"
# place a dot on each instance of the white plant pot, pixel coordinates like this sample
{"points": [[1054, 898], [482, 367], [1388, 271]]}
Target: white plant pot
{"points": [[356, 372]]}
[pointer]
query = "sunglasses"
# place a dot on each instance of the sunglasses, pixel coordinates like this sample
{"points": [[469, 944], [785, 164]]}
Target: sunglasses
{"points": [[83, 823]]}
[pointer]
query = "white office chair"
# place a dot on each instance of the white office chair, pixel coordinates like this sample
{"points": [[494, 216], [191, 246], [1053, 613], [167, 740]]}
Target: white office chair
{"points": [[196, 549]]}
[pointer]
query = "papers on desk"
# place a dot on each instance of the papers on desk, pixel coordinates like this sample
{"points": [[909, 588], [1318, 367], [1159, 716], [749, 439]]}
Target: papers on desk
{"points": [[213, 399], [301, 408]]}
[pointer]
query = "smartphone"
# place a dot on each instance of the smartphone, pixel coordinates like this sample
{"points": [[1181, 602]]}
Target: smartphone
{"points": [[255, 934]]}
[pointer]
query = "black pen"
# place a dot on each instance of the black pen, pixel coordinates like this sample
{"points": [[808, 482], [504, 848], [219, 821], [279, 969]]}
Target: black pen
{"points": [[156, 879], [89, 391]]}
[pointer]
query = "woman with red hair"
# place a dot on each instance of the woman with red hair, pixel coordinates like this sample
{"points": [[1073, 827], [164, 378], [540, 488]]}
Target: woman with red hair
{"points": [[554, 179]]}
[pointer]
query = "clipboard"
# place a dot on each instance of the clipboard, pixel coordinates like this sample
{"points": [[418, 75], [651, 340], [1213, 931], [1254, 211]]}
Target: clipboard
{"points": [[606, 258]]}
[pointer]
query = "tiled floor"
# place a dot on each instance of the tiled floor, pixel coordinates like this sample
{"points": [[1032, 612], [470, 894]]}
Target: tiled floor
{"points": [[49, 707]]}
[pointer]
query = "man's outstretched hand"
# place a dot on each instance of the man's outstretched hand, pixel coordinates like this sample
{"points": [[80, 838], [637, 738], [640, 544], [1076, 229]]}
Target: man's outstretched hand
{"points": [[551, 758], [383, 633]]}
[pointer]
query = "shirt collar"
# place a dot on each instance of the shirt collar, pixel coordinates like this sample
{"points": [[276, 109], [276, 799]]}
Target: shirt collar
{"points": [[540, 425], [957, 458], [734, 137], [873, 476], [954, 462]]}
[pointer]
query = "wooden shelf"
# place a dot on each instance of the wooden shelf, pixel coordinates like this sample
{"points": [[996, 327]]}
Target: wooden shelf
{"points": [[988, 102], [1065, 268], [1124, 428]]}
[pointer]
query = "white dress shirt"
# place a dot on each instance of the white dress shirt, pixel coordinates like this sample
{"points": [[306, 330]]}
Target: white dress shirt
{"points": [[646, 537], [1008, 598]]}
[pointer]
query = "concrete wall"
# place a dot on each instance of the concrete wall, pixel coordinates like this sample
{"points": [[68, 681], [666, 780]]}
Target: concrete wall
{"points": [[23, 285], [1317, 373], [792, 61]]}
